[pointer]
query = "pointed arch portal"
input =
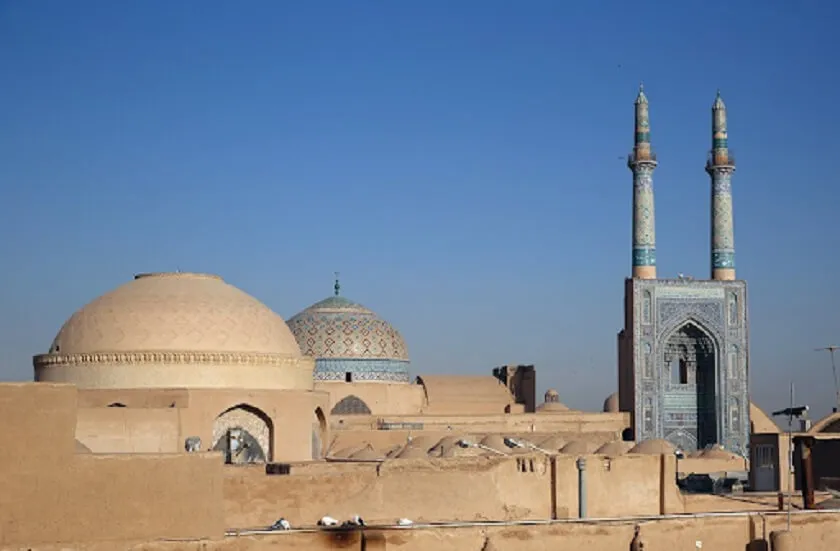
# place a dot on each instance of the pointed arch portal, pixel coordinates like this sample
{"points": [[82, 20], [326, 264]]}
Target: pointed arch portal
{"points": [[689, 365]]}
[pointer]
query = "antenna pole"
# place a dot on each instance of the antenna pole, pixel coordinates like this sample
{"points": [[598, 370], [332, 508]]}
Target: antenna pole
{"points": [[830, 349], [790, 457]]}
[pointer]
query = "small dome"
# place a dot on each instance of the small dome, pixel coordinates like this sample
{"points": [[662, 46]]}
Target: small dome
{"points": [[457, 451], [367, 453], [578, 447], [552, 407], [553, 443], [345, 337], [611, 403], [424, 441], [410, 452], [552, 403], [393, 451], [526, 441], [717, 452], [614, 448], [345, 453], [444, 444], [655, 446], [496, 442]]}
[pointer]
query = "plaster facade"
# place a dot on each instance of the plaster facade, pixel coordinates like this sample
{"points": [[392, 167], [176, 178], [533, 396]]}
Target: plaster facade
{"points": [[733, 532], [192, 497], [219, 360], [284, 423], [51, 494]]}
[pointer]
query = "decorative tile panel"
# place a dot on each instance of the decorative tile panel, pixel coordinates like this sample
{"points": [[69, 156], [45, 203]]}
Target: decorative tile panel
{"points": [[715, 404], [329, 369], [345, 337], [644, 223], [723, 231]]}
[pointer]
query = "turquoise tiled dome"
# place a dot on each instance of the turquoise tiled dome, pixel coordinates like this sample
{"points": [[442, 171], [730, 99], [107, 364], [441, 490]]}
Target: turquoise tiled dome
{"points": [[350, 342]]}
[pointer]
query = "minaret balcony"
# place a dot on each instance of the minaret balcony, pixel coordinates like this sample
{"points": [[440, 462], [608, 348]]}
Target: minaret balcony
{"points": [[720, 158], [641, 157]]}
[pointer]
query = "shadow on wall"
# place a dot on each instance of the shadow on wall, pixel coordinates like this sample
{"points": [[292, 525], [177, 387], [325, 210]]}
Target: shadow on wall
{"points": [[319, 434]]}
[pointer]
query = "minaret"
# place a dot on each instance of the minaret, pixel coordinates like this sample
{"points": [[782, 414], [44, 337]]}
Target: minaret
{"points": [[720, 165], [642, 162]]}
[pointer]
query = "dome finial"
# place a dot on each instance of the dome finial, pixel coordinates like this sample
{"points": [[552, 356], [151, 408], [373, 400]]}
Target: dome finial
{"points": [[337, 285]]}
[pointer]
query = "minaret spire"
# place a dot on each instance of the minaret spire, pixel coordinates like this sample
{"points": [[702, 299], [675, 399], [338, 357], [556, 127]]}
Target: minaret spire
{"points": [[720, 165], [642, 161]]}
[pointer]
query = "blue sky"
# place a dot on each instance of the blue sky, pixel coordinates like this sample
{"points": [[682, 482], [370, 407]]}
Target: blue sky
{"points": [[457, 162]]}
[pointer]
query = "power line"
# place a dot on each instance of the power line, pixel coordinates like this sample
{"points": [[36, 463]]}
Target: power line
{"points": [[830, 349]]}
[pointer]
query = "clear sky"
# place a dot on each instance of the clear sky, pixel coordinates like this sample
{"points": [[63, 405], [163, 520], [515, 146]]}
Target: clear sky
{"points": [[457, 161]]}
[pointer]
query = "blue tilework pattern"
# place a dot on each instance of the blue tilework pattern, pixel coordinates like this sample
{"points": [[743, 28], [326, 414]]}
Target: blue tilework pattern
{"points": [[345, 337], [717, 313], [327, 369], [720, 167], [644, 224], [723, 231]]}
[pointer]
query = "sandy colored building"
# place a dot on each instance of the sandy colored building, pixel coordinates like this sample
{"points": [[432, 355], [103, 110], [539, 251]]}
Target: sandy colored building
{"points": [[178, 412], [58, 495], [175, 361]]}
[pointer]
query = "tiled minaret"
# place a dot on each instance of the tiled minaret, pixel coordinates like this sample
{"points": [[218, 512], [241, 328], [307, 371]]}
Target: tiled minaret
{"points": [[642, 162], [720, 165]]}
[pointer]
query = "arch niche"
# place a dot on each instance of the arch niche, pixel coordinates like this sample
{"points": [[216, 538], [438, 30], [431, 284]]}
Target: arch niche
{"points": [[350, 405], [689, 374], [319, 434], [251, 430]]}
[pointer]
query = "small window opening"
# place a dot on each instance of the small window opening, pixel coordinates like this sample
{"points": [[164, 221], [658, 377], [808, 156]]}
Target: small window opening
{"points": [[679, 372], [348, 377]]}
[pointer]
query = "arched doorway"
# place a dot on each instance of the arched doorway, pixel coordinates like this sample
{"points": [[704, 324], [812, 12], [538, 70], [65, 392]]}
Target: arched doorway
{"points": [[690, 388], [319, 433], [244, 434]]}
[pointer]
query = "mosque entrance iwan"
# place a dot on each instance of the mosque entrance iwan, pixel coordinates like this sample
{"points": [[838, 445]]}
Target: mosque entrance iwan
{"points": [[689, 386]]}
